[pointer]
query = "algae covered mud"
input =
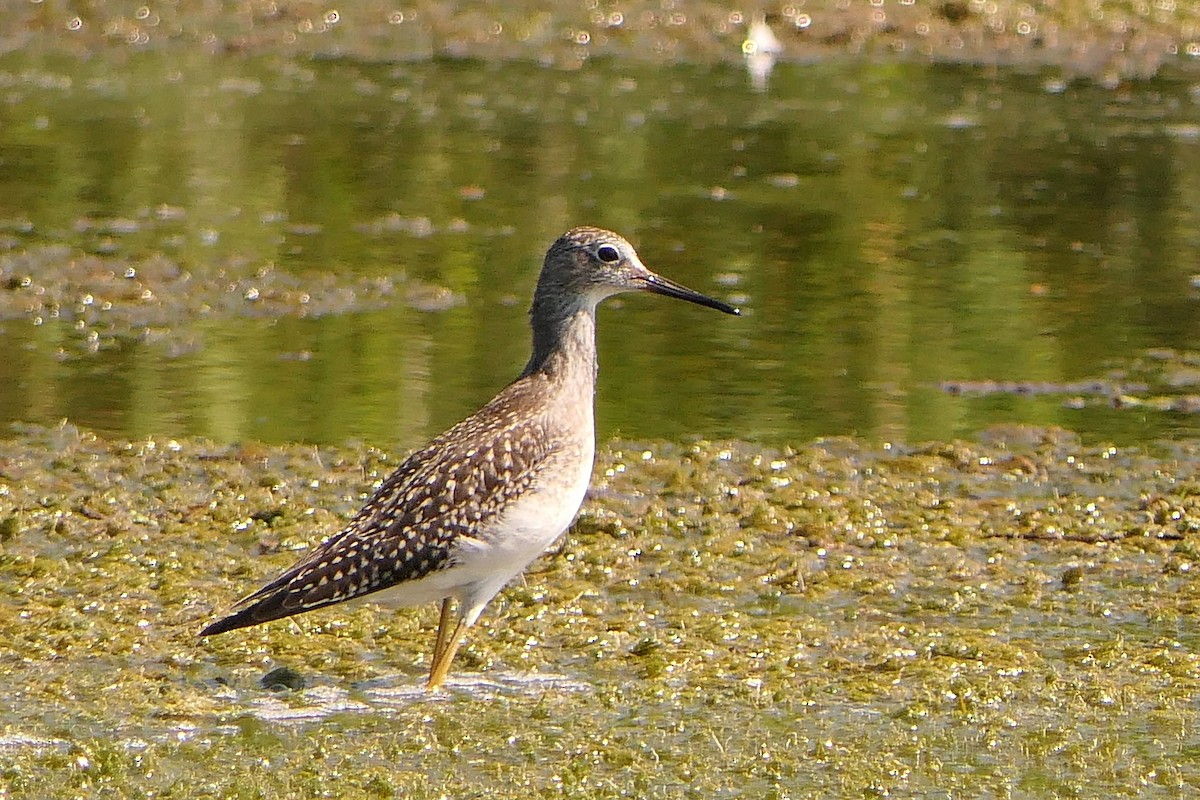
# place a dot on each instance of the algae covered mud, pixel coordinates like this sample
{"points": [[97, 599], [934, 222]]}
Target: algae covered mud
{"points": [[1008, 617], [1105, 41]]}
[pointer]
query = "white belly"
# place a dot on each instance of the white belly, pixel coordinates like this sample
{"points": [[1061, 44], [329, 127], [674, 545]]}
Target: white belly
{"points": [[529, 525]]}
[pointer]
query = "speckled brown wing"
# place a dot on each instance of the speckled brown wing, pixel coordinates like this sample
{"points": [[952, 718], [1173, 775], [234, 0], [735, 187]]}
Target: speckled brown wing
{"points": [[408, 528]]}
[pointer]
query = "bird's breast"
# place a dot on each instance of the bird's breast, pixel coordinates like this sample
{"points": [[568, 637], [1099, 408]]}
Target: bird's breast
{"points": [[532, 522]]}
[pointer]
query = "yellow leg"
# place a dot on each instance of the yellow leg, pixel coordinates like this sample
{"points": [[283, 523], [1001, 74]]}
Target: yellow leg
{"points": [[443, 651], [439, 644]]}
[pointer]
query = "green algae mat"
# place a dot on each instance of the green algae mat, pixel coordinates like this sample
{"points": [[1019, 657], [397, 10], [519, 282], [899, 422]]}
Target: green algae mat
{"points": [[1006, 617]]}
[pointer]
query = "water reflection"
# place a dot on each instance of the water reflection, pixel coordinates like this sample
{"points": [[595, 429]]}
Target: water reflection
{"points": [[885, 227], [761, 49]]}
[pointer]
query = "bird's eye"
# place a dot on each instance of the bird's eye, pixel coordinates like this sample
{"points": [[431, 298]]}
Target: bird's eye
{"points": [[608, 254]]}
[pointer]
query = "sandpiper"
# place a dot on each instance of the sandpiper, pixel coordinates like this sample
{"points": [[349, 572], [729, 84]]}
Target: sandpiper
{"points": [[469, 511]]}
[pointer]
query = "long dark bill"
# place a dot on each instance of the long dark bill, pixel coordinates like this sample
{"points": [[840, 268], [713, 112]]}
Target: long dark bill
{"points": [[660, 285]]}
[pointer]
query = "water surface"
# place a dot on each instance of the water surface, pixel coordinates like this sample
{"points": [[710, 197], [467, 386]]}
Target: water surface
{"points": [[886, 228]]}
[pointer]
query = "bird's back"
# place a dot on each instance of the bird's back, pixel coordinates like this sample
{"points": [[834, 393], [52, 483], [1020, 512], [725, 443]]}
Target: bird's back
{"points": [[445, 505]]}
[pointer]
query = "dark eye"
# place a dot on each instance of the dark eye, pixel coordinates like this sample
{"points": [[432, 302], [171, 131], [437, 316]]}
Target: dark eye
{"points": [[608, 254]]}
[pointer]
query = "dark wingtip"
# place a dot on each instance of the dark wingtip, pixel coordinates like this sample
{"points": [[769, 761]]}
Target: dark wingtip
{"points": [[242, 619]]}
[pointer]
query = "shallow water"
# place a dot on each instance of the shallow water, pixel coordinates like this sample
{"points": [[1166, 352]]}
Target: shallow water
{"points": [[886, 228]]}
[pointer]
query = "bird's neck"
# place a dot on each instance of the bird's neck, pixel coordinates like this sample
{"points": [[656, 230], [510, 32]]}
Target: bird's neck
{"points": [[564, 345]]}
